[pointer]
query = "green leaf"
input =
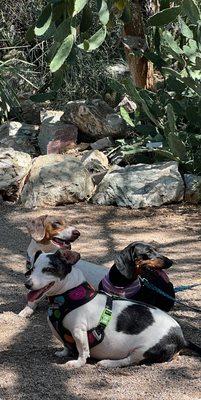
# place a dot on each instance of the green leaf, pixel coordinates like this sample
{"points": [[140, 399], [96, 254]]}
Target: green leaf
{"points": [[104, 13], [125, 115], [62, 30], [78, 6], [169, 39], [177, 147], [62, 53], [185, 30], [191, 9], [41, 97], [164, 17], [171, 118], [96, 40], [135, 95], [191, 49], [44, 21]]}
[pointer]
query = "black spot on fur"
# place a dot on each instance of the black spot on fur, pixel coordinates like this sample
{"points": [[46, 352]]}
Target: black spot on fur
{"points": [[58, 266], [37, 254], [165, 349], [134, 319]]}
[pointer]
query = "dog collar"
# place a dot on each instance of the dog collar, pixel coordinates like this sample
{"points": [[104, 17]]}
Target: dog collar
{"points": [[128, 291]]}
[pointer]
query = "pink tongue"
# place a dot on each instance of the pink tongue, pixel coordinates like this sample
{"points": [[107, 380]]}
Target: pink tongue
{"points": [[34, 294]]}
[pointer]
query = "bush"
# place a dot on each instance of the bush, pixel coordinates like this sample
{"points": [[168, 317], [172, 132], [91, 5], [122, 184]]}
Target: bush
{"points": [[171, 115]]}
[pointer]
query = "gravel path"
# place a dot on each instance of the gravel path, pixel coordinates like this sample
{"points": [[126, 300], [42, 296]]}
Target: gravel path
{"points": [[30, 371]]}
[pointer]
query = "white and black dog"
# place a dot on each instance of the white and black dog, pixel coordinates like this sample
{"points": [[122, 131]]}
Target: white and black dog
{"points": [[48, 234], [116, 331]]}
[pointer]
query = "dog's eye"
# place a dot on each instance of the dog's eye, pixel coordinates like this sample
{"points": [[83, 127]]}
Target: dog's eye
{"points": [[56, 224], [145, 257]]}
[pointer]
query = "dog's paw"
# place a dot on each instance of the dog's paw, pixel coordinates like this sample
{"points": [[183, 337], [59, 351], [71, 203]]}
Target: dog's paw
{"points": [[105, 364], [62, 353], [75, 364], [27, 312]]}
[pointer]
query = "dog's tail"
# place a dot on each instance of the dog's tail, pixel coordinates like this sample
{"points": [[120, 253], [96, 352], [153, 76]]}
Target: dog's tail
{"points": [[194, 347]]}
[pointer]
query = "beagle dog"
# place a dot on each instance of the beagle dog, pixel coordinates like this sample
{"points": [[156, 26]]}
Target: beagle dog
{"points": [[133, 267], [131, 333], [48, 234]]}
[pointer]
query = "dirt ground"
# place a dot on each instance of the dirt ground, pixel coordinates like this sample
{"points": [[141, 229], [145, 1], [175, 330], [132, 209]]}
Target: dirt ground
{"points": [[29, 369]]}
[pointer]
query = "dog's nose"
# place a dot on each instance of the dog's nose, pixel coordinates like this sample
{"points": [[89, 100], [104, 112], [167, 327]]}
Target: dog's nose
{"points": [[27, 285], [75, 233], [168, 263]]}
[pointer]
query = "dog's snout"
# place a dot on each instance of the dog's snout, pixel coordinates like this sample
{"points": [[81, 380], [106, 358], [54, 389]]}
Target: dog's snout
{"points": [[168, 263]]}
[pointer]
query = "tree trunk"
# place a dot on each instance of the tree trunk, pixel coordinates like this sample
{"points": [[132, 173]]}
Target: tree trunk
{"points": [[134, 39]]}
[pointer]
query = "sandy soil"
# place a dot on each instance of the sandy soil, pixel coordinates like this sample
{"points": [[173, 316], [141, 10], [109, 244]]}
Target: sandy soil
{"points": [[29, 368]]}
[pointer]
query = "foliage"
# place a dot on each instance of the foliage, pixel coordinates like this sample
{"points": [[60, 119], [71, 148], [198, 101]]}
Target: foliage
{"points": [[73, 28], [10, 71], [171, 115], [81, 76]]}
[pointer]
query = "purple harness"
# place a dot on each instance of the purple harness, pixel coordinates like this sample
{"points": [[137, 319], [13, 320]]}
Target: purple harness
{"points": [[127, 291]]}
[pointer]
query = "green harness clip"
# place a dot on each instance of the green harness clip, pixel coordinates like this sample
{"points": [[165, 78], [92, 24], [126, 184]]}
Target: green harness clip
{"points": [[105, 317]]}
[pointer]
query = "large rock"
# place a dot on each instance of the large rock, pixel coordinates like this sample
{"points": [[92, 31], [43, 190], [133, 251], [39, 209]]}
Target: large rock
{"points": [[14, 167], [95, 161], [192, 188], [56, 136], [96, 118], [102, 144], [20, 136], [57, 179], [141, 185]]}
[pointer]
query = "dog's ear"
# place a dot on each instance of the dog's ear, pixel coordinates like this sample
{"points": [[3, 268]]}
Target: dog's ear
{"points": [[37, 254], [125, 261], [70, 257], [36, 228]]}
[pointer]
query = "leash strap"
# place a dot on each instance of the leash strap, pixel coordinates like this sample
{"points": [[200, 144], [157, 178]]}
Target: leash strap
{"points": [[146, 283]]}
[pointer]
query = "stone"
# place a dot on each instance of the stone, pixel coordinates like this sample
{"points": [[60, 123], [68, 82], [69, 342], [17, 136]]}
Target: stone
{"points": [[129, 105], [56, 136], [97, 177], [95, 118], [20, 136], [192, 188], [30, 112], [56, 179], [51, 116], [102, 144], [141, 186], [14, 168], [95, 161]]}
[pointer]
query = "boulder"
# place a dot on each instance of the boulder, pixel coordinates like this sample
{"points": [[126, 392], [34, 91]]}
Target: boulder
{"points": [[102, 144], [56, 179], [14, 167], [95, 161], [95, 118], [141, 185], [192, 188], [28, 111], [56, 136], [20, 136]]}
